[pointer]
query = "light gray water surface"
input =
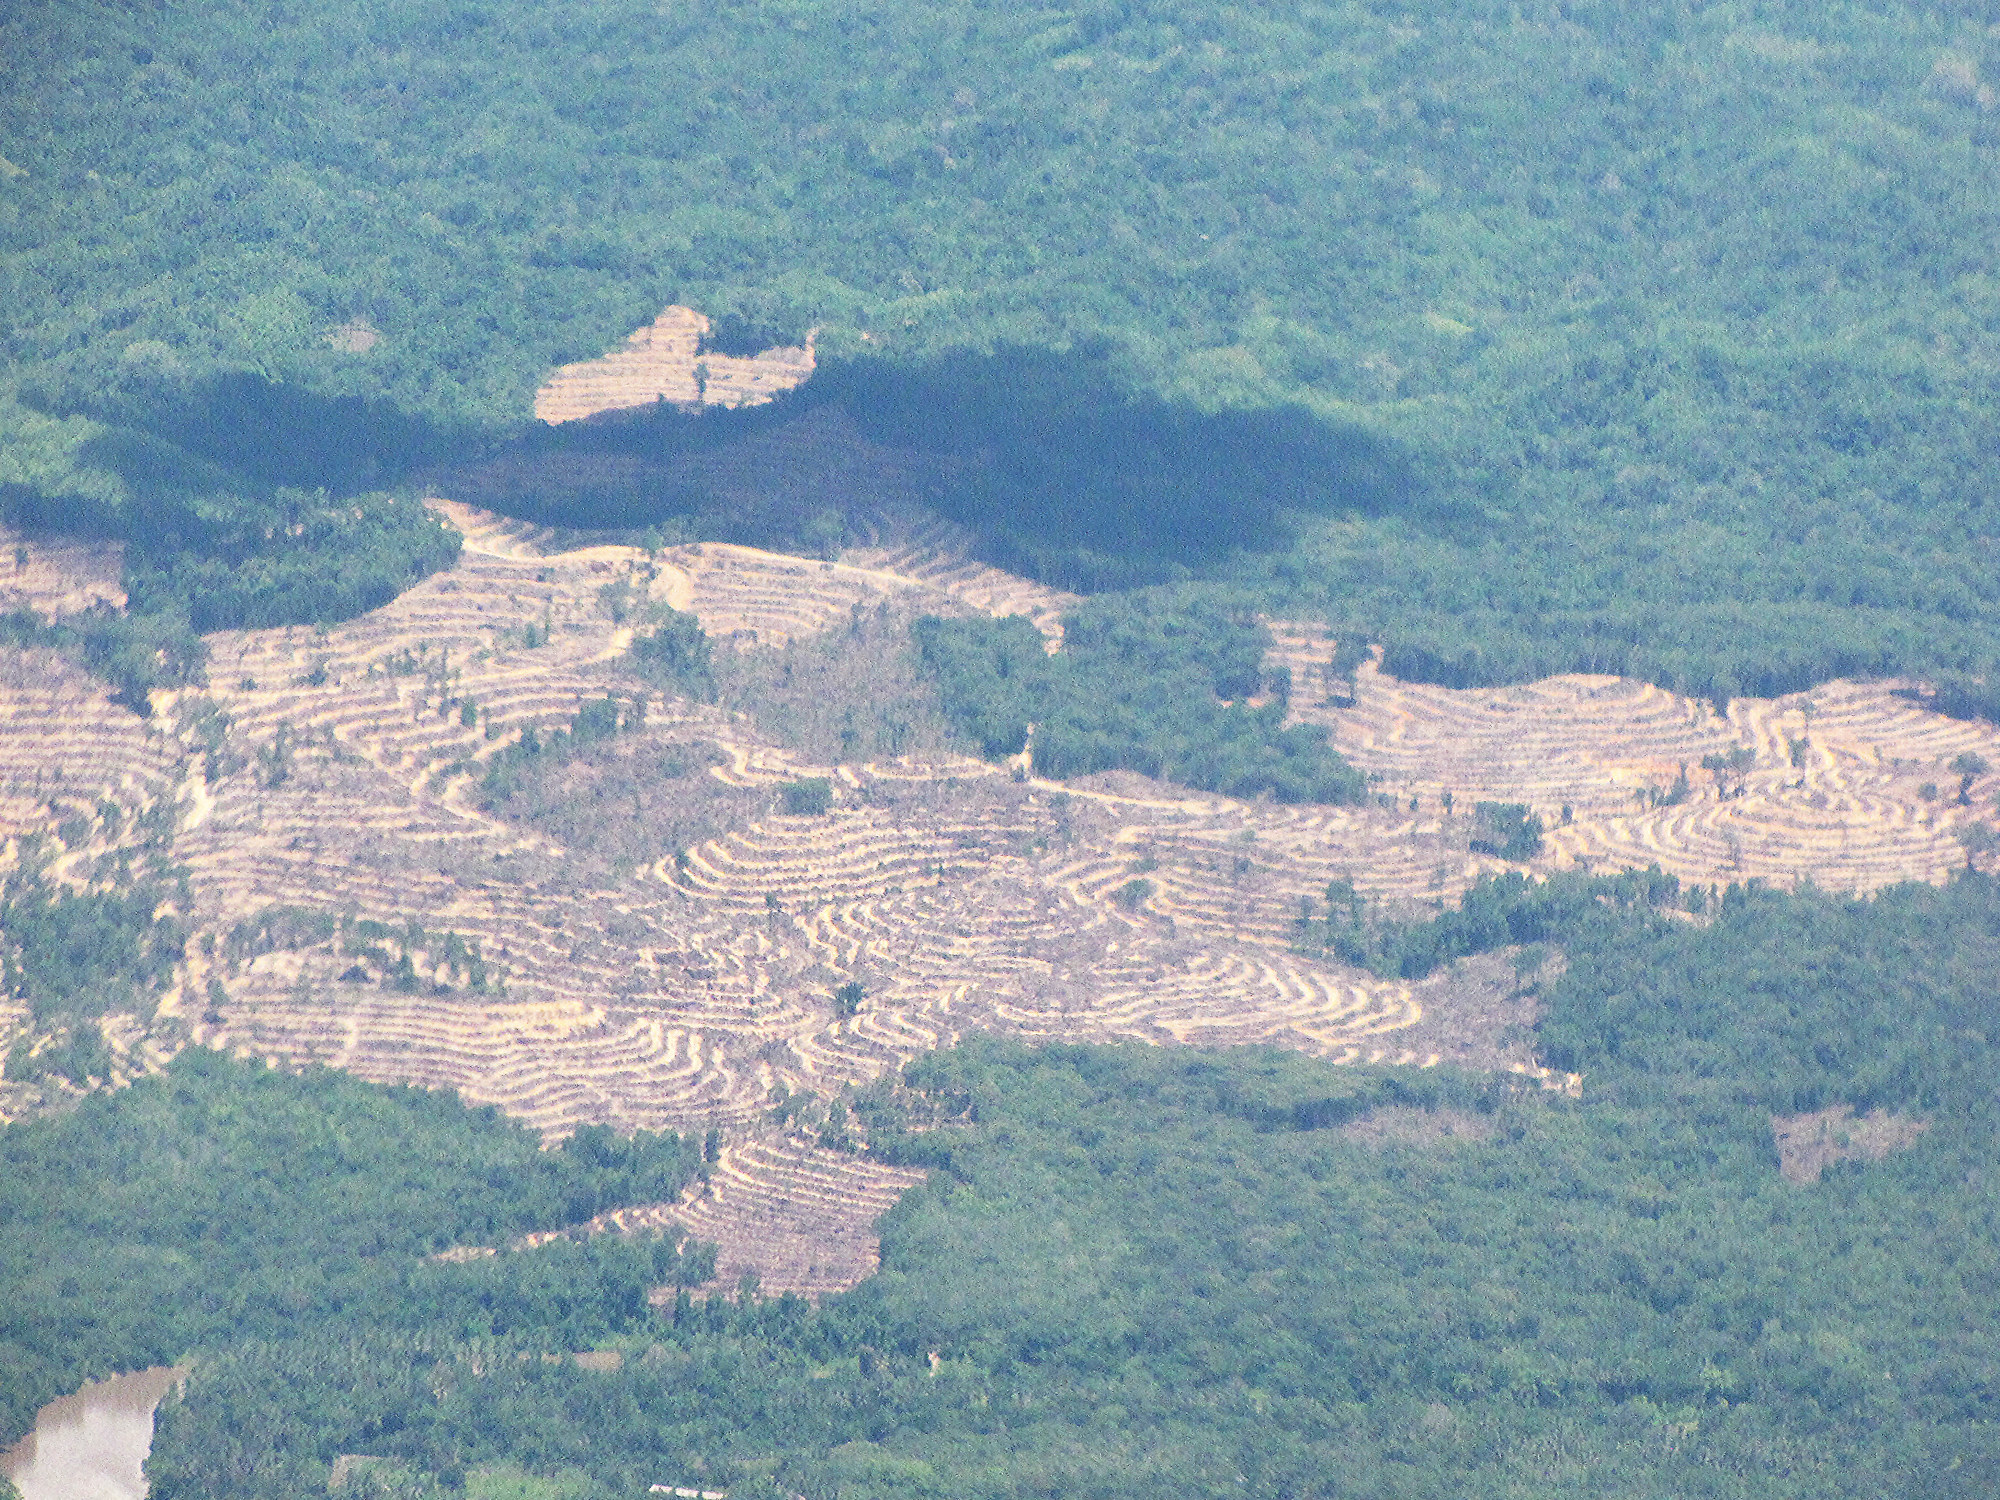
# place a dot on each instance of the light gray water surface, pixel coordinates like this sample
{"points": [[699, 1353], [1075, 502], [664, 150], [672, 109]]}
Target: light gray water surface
{"points": [[93, 1445]]}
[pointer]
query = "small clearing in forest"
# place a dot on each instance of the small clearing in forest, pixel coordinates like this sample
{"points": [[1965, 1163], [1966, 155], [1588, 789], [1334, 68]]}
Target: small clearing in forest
{"points": [[1810, 1143]]}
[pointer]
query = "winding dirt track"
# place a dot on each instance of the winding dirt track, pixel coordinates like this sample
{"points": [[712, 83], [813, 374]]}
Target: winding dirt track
{"points": [[687, 989]]}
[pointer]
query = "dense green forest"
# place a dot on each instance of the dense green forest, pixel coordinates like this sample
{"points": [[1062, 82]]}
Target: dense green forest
{"points": [[1131, 1270], [225, 1201], [1133, 688], [1579, 334]]}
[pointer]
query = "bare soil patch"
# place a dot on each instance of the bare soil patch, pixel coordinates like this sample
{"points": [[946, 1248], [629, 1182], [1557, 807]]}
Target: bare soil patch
{"points": [[793, 1216], [1480, 1013], [664, 361], [1404, 1125], [850, 693], [1810, 1143], [355, 336], [57, 576], [1828, 786]]}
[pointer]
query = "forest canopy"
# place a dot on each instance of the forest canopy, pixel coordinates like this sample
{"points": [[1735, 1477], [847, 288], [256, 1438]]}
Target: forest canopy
{"points": [[1601, 337], [1159, 691], [224, 1201]]}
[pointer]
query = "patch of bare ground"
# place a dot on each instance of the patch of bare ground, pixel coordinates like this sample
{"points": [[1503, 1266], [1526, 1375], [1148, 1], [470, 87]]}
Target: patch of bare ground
{"points": [[1810, 1143], [621, 803], [789, 1214], [1480, 1012], [1404, 1125], [55, 576], [792, 1216], [355, 336], [849, 693], [65, 747], [784, 1213], [1850, 786], [665, 361]]}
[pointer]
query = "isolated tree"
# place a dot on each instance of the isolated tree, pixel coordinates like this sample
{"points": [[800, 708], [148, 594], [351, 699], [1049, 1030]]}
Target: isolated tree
{"points": [[1970, 767], [1349, 652], [809, 796], [1978, 840]]}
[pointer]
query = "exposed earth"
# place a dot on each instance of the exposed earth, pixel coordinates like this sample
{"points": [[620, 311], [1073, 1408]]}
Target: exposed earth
{"points": [[663, 945]]}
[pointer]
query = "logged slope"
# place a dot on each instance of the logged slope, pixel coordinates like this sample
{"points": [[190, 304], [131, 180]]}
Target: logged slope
{"points": [[338, 771], [1851, 785], [665, 361], [958, 898]]}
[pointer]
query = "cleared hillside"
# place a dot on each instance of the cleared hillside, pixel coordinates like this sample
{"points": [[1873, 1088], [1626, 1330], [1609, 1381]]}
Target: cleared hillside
{"points": [[337, 773]]}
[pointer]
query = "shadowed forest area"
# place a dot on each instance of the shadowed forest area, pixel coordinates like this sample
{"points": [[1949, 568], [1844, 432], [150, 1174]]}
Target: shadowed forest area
{"points": [[1677, 363]]}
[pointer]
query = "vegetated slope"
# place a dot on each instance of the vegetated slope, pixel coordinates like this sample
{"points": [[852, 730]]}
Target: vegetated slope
{"points": [[1166, 692], [1224, 1274], [1595, 289], [220, 1202]]}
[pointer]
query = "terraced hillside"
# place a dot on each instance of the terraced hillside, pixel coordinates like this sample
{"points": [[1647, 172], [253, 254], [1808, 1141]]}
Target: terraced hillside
{"points": [[356, 903], [665, 361], [58, 575], [1852, 785]]}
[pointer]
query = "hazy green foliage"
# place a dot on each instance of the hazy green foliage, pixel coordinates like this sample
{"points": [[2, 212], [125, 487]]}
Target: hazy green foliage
{"points": [[1545, 303], [1795, 1003], [72, 953], [810, 796], [1507, 830], [224, 1201], [209, 548], [298, 558], [447, 956], [1496, 912], [1153, 689], [1964, 697]]}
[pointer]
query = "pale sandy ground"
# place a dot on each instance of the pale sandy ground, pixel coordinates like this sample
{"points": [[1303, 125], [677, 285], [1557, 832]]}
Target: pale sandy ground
{"points": [[663, 362]]}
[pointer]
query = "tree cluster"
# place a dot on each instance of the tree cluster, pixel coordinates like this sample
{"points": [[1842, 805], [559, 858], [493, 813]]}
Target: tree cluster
{"points": [[1159, 690], [223, 1202]]}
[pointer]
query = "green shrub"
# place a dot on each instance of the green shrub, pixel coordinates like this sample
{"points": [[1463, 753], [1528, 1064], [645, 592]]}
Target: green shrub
{"points": [[807, 797], [1153, 688]]}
